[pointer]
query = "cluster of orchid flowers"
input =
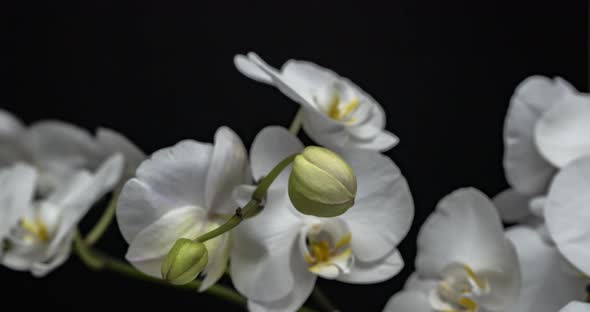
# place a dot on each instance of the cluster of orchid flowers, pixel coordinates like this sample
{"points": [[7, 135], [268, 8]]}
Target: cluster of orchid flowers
{"points": [[277, 219]]}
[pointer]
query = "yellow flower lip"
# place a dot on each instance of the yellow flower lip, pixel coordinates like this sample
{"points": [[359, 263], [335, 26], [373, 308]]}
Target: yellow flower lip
{"points": [[327, 248], [458, 289], [36, 228], [342, 114]]}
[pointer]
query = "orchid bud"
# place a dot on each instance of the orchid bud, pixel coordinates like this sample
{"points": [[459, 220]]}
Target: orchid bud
{"points": [[184, 262], [321, 184]]}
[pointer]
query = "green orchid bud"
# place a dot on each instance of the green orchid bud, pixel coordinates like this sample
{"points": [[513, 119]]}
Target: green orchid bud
{"points": [[184, 262], [321, 184]]}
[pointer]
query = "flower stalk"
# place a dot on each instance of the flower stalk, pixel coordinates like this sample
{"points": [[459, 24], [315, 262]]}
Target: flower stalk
{"points": [[254, 206]]}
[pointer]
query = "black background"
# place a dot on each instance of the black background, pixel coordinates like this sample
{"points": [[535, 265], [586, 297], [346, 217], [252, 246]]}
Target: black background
{"points": [[162, 71]]}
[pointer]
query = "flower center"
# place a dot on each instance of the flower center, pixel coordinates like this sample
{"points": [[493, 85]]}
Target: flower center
{"points": [[458, 289], [326, 248], [344, 112], [39, 226], [35, 230]]}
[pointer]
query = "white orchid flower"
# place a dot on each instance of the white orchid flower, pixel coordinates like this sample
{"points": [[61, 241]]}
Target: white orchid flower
{"points": [[464, 262], [37, 233], [59, 150], [181, 192], [576, 307], [548, 281], [279, 253], [337, 113], [567, 213], [545, 128]]}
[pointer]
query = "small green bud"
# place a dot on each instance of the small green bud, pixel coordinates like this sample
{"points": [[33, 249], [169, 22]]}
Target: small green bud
{"points": [[184, 262], [321, 184]]}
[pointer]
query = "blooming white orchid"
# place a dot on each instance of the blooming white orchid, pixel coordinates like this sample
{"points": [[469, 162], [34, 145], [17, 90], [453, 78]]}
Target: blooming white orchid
{"points": [[464, 261], [576, 307], [59, 150], [37, 234], [527, 171], [567, 213], [279, 253], [545, 129], [337, 113], [548, 280], [181, 192]]}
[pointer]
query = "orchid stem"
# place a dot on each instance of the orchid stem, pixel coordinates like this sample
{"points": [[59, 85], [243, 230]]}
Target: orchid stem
{"points": [[254, 206], [105, 220], [296, 123], [99, 262], [323, 301]]}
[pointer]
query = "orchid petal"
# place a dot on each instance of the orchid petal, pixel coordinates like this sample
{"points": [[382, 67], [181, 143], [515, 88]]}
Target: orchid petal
{"points": [[228, 169], [383, 210], [562, 133], [526, 170], [567, 213], [173, 177], [541, 263]]}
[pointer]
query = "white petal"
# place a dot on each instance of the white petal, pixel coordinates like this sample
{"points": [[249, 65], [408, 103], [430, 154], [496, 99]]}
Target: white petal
{"points": [[10, 126], [78, 196], [242, 194], [567, 213], [228, 169], [546, 285], [329, 134], [408, 301], [303, 283], [218, 259], [308, 75], [382, 142], [334, 135], [262, 249], [576, 307], [40, 269], [173, 177], [376, 271], [54, 143], [17, 187], [526, 170], [465, 228], [512, 206], [272, 145], [251, 69], [112, 142], [290, 88], [562, 133], [383, 210], [156, 240]]}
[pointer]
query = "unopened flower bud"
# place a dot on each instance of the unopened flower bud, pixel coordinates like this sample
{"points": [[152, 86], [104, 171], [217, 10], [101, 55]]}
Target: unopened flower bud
{"points": [[184, 262], [321, 184]]}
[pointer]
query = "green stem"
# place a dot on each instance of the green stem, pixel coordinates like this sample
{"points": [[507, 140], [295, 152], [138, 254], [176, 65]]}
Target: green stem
{"points": [[323, 301], [296, 123], [250, 209], [253, 206], [260, 192], [85, 253], [105, 220], [99, 262]]}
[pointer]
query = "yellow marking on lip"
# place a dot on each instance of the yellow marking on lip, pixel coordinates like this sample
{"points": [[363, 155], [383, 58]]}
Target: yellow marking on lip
{"points": [[36, 228], [336, 113], [474, 277], [345, 240]]}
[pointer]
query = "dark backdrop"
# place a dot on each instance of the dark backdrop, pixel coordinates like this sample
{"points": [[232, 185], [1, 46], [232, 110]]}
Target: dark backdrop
{"points": [[160, 72]]}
